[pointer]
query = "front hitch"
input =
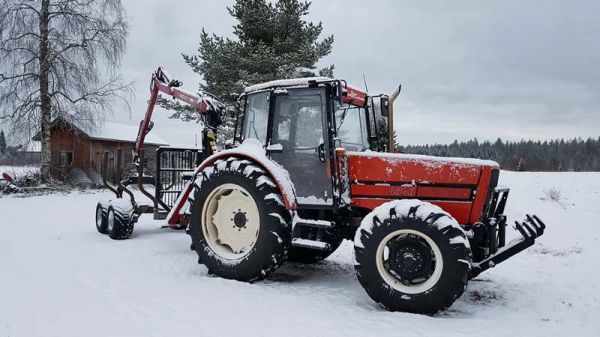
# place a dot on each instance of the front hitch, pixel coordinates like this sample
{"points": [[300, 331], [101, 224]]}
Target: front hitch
{"points": [[530, 229]]}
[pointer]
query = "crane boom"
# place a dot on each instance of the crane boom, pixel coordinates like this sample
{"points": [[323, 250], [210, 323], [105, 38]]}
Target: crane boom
{"points": [[206, 104]]}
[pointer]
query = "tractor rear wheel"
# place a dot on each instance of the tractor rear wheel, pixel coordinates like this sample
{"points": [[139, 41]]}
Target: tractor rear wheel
{"points": [[412, 256], [101, 210], [239, 226], [120, 219]]}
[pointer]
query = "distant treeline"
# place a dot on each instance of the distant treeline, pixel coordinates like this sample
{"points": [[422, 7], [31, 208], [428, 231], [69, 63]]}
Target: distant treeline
{"points": [[555, 155]]}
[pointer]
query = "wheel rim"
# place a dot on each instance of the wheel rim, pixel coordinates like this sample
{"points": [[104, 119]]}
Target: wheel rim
{"points": [[230, 221], [110, 220], [99, 217], [409, 261]]}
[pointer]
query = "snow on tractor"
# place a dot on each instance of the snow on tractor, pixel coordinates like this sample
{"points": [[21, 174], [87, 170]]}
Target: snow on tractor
{"points": [[304, 173]]}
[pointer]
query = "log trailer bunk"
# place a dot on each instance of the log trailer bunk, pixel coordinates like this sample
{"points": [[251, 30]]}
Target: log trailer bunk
{"points": [[307, 171]]}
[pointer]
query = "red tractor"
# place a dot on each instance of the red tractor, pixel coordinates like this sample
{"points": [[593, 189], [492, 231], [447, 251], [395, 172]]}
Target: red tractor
{"points": [[306, 171]]}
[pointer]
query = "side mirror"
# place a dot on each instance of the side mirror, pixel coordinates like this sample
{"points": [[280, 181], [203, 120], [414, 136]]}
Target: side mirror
{"points": [[384, 102]]}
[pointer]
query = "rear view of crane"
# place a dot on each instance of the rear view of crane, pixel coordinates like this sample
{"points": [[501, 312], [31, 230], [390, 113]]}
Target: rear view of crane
{"points": [[117, 217]]}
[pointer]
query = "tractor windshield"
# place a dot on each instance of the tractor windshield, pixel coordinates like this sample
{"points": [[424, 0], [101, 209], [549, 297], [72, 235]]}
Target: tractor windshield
{"points": [[351, 127]]}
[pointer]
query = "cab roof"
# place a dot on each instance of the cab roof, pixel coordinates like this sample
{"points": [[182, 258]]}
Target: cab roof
{"points": [[351, 94]]}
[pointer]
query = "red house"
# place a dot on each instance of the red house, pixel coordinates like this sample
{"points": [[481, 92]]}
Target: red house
{"points": [[75, 149]]}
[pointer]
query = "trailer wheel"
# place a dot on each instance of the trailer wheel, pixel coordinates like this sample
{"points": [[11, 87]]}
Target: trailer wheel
{"points": [[101, 211], [120, 219], [239, 226], [412, 256], [308, 256]]}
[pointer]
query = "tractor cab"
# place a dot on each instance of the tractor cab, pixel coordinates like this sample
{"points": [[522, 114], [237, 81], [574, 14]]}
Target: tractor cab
{"points": [[300, 123]]}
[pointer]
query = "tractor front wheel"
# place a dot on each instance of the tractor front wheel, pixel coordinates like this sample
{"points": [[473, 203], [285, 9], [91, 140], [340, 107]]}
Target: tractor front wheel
{"points": [[412, 256]]}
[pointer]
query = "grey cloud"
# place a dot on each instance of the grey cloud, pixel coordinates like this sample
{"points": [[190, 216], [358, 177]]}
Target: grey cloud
{"points": [[510, 69]]}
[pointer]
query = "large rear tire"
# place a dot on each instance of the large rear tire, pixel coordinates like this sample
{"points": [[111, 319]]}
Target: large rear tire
{"points": [[412, 256], [239, 226]]}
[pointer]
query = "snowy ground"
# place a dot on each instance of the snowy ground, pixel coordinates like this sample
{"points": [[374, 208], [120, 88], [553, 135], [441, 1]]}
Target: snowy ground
{"points": [[59, 277]]}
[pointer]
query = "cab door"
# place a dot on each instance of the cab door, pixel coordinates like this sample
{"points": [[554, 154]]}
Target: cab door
{"points": [[299, 132]]}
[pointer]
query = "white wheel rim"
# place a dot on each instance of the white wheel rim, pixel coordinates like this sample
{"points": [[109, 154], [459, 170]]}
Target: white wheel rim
{"points": [[110, 220], [99, 217], [393, 281], [230, 221]]}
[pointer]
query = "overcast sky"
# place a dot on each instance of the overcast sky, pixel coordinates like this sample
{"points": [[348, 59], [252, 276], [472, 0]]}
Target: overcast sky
{"points": [[485, 69]]}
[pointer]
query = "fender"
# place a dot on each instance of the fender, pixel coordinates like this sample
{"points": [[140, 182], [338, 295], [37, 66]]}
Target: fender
{"points": [[252, 150]]}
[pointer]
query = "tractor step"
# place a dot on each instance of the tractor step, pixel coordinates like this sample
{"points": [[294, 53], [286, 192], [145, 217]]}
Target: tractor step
{"points": [[311, 244], [530, 229], [322, 224]]}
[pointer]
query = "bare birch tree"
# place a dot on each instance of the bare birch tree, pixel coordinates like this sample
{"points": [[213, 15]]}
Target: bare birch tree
{"points": [[60, 58]]}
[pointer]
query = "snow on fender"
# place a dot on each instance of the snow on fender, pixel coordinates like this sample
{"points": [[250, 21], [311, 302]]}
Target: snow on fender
{"points": [[253, 149]]}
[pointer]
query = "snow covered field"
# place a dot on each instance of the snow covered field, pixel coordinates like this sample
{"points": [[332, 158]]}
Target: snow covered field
{"points": [[59, 277]]}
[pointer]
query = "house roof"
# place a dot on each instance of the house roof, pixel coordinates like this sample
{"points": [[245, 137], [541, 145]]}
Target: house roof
{"points": [[124, 133], [110, 131]]}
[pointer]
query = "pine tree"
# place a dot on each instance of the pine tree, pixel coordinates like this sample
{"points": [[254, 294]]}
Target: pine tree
{"points": [[382, 136], [2, 142], [272, 41]]}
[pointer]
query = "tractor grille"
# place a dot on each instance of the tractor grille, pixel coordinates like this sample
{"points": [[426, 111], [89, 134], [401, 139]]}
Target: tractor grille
{"points": [[494, 175], [171, 165]]}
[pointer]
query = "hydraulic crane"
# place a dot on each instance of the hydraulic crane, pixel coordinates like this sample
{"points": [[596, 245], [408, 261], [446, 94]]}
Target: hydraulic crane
{"points": [[206, 104]]}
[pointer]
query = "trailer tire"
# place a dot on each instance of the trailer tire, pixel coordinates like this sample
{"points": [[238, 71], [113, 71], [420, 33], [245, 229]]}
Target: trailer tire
{"points": [[120, 220], [247, 236], [101, 210], [428, 257]]}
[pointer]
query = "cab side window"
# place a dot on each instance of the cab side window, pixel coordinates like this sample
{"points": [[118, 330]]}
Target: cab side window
{"points": [[256, 116]]}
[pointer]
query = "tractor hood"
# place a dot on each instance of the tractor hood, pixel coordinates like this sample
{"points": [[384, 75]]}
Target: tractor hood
{"points": [[455, 184], [415, 169]]}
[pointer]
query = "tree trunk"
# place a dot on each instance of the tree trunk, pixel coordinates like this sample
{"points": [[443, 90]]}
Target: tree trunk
{"points": [[45, 102]]}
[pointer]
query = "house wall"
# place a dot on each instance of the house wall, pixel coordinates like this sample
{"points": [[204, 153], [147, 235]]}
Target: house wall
{"points": [[65, 139], [88, 153]]}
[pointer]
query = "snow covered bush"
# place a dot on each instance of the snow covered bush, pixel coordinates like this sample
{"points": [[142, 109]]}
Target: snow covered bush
{"points": [[553, 194]]}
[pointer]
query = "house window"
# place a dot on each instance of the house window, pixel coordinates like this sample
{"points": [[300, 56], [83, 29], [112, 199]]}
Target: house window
{"points": [[65, 159]]}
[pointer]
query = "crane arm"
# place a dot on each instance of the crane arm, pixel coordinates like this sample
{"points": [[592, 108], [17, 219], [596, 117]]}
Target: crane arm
{"points": [[206, 104]]}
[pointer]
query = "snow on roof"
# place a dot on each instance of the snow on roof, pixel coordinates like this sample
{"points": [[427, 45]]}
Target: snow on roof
{"points": [[292, 82], [123, 132]]}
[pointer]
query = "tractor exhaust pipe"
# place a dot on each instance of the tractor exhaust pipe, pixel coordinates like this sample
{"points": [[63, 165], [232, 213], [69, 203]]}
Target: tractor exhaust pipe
{"points": [[390, 122]]}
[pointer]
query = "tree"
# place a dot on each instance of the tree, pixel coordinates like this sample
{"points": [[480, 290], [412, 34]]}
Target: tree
{"points": [[273, 41], [382, 135], [59, 58], [2, 142]]}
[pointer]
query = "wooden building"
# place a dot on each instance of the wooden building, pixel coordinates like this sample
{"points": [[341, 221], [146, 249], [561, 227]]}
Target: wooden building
{"points": [[73, 148]]}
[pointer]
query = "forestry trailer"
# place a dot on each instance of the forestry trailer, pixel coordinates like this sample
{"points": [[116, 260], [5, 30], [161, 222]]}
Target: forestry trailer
{"points": [[305, 172]]}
